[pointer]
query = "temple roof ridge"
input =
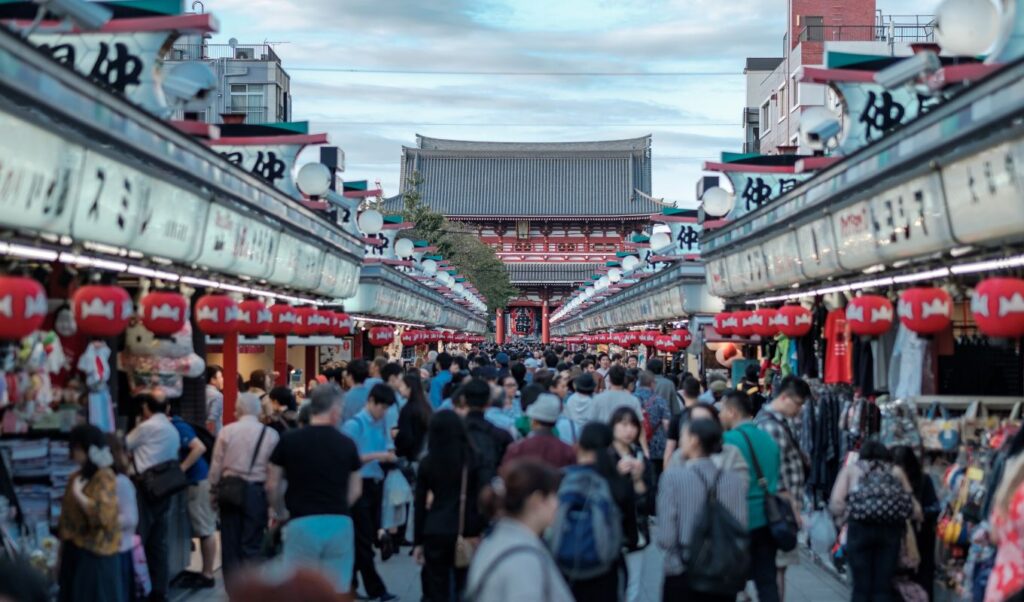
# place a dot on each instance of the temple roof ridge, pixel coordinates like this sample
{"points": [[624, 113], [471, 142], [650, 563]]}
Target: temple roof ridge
{"points": [[642, 143]]}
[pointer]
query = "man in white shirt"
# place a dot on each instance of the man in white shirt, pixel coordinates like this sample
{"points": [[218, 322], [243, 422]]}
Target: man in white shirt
{"points": [[152, 442], [243, 450]]}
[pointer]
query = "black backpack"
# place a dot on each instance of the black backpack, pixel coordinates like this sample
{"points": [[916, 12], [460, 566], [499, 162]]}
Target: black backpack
{"points": [[879, 498], [206, 438], [718, 560]]}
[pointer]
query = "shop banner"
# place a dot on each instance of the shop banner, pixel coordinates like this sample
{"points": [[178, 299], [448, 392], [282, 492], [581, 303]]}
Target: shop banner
{"points": [[871, 111], [272, 163], [817, 248], [910, 220], [984, 192], [718, 280], [297, 263], [686, 235], [855, 236], [39, 177], [782, 260], [754, 189], [339, 277], [238, 243]]}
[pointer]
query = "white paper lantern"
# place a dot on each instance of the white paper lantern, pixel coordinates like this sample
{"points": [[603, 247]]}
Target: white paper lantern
{"points": [[429, 267], [630, 263], [966, 27], [404, 248], [602, 283], [660, 240], [371, 222], [717, 201], [313, 179], [615, 274], [459, 288]]}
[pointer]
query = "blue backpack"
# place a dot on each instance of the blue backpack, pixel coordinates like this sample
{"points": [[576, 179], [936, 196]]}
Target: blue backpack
{"points": [[586, 537]]}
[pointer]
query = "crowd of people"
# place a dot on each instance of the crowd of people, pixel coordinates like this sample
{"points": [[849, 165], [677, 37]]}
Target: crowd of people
{"points": [[487, 467]]}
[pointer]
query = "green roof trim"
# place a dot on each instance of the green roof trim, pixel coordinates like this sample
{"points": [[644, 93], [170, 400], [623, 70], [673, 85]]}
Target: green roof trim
{"points": [[844, 60], [612, 264], [421, 243], [393, 219], [295, 127], [738, 157], [640, 238], [623, 254], [434, 257]]}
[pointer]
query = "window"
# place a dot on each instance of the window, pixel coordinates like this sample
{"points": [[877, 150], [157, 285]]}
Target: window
{"points": [[766, 117], [814, 29], [831, 98], [781, 113], [794, 92], [248, 99], [522, 229]]}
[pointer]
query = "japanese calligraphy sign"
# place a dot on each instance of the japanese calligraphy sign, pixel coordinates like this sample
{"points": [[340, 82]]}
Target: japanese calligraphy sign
{"points": [[910, 219], [272, 163], [755, 189], [871, 111], [39, 177], [686, 236], [237, 242], [781, 260], [984, 192], [127, 63], [817, 248], [297, 263]]}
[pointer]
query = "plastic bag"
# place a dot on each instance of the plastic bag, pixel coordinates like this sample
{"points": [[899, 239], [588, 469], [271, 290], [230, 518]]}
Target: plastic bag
{"points": [[822, 532]]}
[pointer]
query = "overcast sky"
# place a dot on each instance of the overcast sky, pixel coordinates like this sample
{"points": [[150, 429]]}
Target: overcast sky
{"points": [[372, 115]]}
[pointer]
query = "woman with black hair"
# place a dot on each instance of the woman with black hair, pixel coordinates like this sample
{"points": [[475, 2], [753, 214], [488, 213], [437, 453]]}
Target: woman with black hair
{"points": [[631, 463], [449, 476], [593, 452], [284, 410], [413, 419], [89, 527], [682, 495], [924, 531], [873, 540]]}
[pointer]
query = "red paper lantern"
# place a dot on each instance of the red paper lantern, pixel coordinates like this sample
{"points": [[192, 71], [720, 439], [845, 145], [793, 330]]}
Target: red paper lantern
{"points": [[254, 318], [681, 339], [381, 336], [648, 337], [869, 315], [726, 323], [343, 324], [925, 310], [23, 306], [631, 338], [217, 315], [321, 321], [663, 342], [305, 321], [763, 322], [743, 327], [284, 320], [164, 312], [998, 307], [793, 320], [102, 311], [411, 338]]}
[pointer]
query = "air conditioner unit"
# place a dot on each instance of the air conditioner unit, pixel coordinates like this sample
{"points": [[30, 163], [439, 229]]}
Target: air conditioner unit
{"points": [[245, 54]]}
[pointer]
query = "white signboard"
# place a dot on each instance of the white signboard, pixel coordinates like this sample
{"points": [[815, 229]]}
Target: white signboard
{"points": [[910, 219], [114, 200], [297, 263], [271, 163], [238, 243], [172, 225], [984, 193], [39, 177], [782, 260], [718, 281], [817, 247], [855, 236]]}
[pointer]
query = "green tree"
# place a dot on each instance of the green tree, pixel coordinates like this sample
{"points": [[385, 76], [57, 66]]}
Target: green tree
{"points": [[475, 260]]}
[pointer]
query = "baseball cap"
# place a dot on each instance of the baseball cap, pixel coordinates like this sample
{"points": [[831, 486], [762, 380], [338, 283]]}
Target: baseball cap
{"points": [[501, 358], [532, 363], [547, 408]]}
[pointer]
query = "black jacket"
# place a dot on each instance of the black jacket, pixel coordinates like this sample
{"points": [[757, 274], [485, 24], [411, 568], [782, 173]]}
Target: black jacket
{"points": [[444, 481], [412, 432], [489, 443]]}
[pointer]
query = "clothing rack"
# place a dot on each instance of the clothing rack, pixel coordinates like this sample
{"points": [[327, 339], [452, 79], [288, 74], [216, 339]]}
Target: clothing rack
{"points": [[959, 402]]}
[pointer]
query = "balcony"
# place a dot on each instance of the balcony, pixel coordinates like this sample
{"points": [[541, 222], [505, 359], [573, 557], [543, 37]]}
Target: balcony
{"points": [[238, 52], [892, 32]]}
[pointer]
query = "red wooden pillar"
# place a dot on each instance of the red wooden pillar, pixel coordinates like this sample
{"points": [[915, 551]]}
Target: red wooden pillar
{"points": [[357, 344], [545, 324], [230, 367], [310, 370], [281, 359], [499, 335]]}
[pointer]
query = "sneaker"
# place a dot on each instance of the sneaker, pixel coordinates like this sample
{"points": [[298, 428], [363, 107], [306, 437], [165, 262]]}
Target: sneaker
{"points": [[203, 582], [388, 597]]}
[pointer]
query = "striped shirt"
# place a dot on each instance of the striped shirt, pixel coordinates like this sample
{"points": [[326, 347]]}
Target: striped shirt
{"points": [[791, 471], [682, 494]]}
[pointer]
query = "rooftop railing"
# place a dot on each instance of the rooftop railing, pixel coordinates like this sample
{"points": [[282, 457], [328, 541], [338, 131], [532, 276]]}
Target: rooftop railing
{"points": [[238, 52]]}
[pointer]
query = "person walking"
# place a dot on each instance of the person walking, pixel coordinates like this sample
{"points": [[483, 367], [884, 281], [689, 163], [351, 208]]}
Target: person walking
{"points": [[154, 442], [924, 531], [449, 476], [579, 406], [489, 441], [127, 516], [89, 529], [774, 419], [874, 498], [313, 480], [631, 463], [682, 498], [512, 563], [358, 390], [369, 430], [755, 444], [615, 396], [663, 387], [214, 399], [200, 506], [542, 443], [240, 458], [413, 420], [442, 376], [283, 410], [656, 416]]}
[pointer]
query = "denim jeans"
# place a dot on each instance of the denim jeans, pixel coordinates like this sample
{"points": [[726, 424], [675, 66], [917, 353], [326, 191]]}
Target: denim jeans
{"points": [[325, 542], [873, 552]]}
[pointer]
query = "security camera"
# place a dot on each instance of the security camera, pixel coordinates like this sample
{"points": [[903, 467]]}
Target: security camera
{"points": [[908, 70], [818, 127], [87, 16], [189, 81]]}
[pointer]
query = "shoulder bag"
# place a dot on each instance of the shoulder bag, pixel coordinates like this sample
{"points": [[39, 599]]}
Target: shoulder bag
{"points": [[161, 481], [464, 547], [779, 512], [231, 489]]}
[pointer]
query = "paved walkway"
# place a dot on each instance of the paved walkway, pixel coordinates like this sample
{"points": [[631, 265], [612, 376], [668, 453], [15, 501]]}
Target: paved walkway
{"points": [[807, 582]]}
